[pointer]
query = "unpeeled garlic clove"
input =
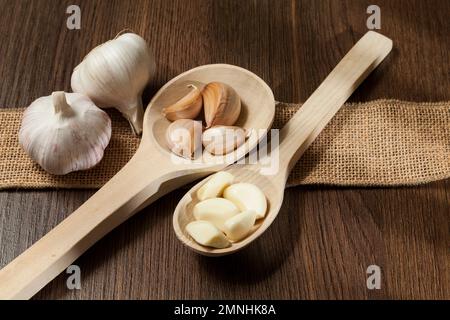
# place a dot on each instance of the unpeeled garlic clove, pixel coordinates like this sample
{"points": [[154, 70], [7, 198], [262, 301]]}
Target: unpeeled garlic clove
{"points": [[247, 196], [238, 226], [65, 132], [205, 233], [220, 140], [184, 137], [221, 103], [215, 210], [188, 107], [214, 187], [115, 73]]}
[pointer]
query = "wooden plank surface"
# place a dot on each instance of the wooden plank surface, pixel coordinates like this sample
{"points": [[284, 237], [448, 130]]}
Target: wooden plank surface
{"points": [[324, 238]]}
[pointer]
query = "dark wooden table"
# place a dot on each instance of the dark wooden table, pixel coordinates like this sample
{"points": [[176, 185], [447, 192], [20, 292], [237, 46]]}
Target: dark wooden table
{"points": [[324, 238]]}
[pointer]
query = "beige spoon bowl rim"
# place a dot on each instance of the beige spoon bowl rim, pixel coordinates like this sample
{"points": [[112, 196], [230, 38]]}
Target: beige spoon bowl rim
{"points": [[148, 120], [256, 96], [259, 228]]}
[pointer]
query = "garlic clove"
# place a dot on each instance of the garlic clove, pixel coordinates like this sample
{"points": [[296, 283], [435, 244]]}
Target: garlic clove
{"points": [[220, 140], [188, 107], [184, 137], [65, 132], [247, 196], [115, 73], [214, 187], [221, 103], [205, 233], [215, 210], [239, 226]]}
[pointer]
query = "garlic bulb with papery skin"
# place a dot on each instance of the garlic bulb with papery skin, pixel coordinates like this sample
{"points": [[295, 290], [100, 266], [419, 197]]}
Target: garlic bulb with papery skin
{"points": [[65, 132], [115, 73]]}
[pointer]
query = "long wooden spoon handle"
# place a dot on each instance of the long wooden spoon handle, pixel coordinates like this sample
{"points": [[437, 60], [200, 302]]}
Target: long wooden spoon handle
{"points": [[129, 190], [323, 104]]}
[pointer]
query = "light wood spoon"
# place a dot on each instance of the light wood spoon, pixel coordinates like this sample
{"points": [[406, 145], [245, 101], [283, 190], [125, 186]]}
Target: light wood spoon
{"points": [[152, 172], [295, 137]]}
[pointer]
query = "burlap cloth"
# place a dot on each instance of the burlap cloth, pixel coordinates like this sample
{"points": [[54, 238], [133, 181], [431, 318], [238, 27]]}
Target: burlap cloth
{"points": [[378, 143]]}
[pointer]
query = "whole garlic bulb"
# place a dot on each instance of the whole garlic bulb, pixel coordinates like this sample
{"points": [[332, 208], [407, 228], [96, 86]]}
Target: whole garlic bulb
{"points": [[115, 73], [65, 132]]}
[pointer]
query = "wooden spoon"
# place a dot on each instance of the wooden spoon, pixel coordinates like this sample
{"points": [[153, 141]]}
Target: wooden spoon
{"points": [[152, 172], [295, 138]]}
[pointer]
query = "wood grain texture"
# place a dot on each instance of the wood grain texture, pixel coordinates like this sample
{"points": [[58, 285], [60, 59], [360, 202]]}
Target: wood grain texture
{"points": [[324, 238]]}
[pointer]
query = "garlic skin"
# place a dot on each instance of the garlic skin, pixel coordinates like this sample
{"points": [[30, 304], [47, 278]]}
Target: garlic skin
{"points": [[184, 137], [188, 107], [220, 140], [65, 132], [221, 103], [115, 73]]}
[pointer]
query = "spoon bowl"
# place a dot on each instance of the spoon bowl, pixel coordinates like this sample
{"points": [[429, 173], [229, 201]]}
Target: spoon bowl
{"points": [[272, 188], [257, 105], [294, 138]]}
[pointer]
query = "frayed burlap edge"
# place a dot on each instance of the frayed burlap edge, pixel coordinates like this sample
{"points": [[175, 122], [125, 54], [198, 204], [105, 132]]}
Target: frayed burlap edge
{"points": [[377, 143]]}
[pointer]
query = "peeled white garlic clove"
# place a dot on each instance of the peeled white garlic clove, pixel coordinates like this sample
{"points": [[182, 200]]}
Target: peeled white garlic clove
{"points": [[238, 226], [215, 210], [115, 73], [65, 132], [188, 107], [220, 140], [214, 187], [221, 103], [247, 196], [205, 233], [184, 137]]}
